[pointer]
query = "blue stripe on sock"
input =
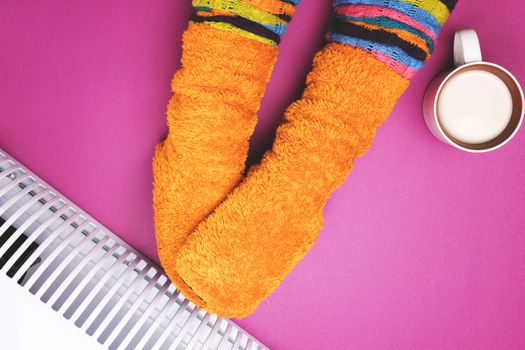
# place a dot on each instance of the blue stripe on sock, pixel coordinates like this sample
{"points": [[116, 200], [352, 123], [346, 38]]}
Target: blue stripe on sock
{"points": [[396, 53]]}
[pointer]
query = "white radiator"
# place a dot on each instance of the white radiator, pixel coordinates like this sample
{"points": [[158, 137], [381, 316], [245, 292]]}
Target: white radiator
{"points": [[111, 296]]}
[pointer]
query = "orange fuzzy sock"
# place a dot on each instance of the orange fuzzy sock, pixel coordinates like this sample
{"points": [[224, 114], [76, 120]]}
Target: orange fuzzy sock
{"points": [[211, 117]]}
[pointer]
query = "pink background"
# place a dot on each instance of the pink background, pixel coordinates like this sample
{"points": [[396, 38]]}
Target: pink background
{"points": [[423, 246]]}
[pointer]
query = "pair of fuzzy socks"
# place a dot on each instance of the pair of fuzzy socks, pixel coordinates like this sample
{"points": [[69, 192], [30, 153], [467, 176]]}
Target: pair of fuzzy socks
{"points": [[226, 241]]}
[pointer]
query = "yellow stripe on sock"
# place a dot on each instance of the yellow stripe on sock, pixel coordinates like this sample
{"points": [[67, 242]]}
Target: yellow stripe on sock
{"points": [[274, 6], [435, 7], [242, 9], [230, 28]]}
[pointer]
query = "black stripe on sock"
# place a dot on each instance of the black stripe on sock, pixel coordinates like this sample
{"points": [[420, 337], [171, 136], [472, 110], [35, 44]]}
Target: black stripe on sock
{"points": [[241, 23], [378, 35], [285, 17], [450, 3]]}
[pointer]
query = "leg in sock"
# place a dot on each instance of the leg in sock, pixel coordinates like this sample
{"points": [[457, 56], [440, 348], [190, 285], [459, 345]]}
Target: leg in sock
{"points": [[240, 254], [229, 51]]}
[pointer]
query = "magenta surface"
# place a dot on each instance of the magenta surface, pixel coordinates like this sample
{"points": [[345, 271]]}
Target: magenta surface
{"points": [[423, 246]]}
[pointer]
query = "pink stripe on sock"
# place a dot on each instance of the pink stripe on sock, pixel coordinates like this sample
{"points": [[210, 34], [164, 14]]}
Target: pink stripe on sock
{"points": [[376, 11], [400, 68]]}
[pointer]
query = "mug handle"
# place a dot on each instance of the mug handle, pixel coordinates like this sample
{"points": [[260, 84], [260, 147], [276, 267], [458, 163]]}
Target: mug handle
{"points": [[466, 47]]}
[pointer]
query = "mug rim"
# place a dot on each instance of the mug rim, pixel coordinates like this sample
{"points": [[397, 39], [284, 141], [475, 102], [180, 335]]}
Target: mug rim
{"points": [[452, 73]]}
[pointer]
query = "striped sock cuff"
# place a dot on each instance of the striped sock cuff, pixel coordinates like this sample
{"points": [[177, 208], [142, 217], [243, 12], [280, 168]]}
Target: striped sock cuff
{"points": [[261, 20], [401, 33]]}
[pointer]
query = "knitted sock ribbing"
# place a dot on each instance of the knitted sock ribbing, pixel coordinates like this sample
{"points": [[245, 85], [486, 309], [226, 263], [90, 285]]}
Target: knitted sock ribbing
{"points": [[401, 34], [240, 254], [261, 20]]}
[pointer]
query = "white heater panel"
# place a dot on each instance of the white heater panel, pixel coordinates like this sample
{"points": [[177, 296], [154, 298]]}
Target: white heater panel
{"points": [[110, 295]]}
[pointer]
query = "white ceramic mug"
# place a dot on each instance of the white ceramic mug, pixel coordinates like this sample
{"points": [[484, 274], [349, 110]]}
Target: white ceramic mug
{"points": [[478, 106]]}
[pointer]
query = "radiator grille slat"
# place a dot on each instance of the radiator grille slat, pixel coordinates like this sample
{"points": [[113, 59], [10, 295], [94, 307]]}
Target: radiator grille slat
{"points": [[57, 293], [146, 314], [128, 314], [87, 278], [44, 241], [52, 249]]}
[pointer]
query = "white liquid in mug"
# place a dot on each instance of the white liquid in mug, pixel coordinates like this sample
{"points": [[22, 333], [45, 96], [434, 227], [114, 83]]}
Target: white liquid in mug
{"points": [[474, 106]]}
